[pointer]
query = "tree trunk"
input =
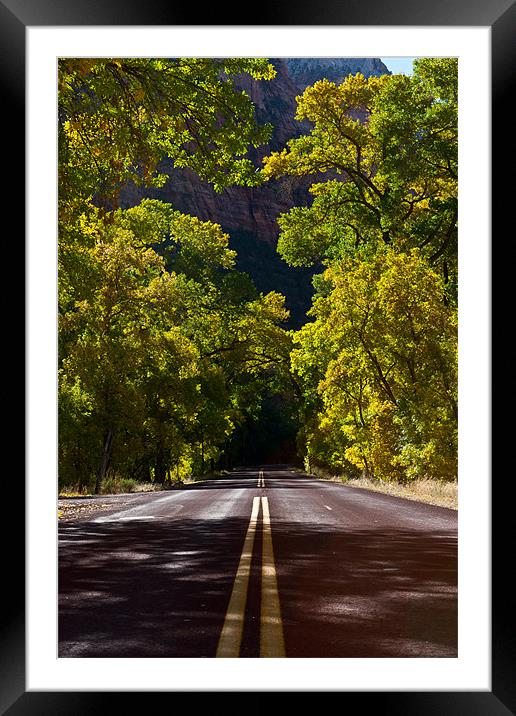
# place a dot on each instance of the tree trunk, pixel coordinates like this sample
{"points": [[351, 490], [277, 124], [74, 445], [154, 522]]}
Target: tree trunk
{"points": [[367, 471], [104, 463], [160, 471]]}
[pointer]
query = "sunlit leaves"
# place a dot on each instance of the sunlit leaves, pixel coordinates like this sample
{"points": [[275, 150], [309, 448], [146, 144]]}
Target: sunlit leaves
{"points": [[161, 351], [378, 366], [384, 151]]}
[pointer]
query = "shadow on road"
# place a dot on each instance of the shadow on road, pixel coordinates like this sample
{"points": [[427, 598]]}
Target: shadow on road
{"points": [[161, 588], [368, 592]]}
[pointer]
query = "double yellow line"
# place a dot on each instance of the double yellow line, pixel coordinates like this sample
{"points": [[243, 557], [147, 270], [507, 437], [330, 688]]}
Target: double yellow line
{"points": [[272, 642]]}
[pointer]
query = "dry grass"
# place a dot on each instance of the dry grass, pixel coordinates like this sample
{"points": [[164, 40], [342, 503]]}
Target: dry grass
{"points": [[111, 488], [146, 487], [433, 492]]}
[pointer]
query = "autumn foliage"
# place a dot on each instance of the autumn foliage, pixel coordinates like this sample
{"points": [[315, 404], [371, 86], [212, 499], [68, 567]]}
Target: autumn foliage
{"points": [[164, 347], [378, 361]]}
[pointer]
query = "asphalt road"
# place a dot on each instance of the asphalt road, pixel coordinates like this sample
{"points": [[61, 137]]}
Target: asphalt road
{"points": [[263, 563]]}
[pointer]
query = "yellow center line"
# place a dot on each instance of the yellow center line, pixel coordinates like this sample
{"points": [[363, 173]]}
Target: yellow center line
{"points": [[272, 643], [231, 636]]}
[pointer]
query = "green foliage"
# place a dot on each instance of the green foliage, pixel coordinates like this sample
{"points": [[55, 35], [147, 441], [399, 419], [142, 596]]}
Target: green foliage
{"points": [[377, 365], [384, 152], [119, 117], [159, 360], [169, 357], [163, 346], [378, 368]]}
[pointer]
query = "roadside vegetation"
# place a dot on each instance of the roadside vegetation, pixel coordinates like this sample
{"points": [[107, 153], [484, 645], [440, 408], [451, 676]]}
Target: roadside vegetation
{"points": [[428, 490], [167, 352]]}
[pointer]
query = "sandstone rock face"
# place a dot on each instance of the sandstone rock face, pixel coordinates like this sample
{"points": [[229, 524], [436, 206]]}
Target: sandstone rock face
{"points": [[305, 71], [250, 209], [252, 212]]}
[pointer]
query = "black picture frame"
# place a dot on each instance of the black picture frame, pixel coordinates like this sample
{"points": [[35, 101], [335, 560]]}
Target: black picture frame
{"points": [[500, 16]]}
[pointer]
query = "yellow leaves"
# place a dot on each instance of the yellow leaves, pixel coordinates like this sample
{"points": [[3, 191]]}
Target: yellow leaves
{"points": [[356, 92], [355, 456], [380, 354], [324, 100], [80, 66], [162, 343], [276, 164], [205, 237], [395, 157], [274, 303], [119, 117], [378, 84], [315, 99], [338, 133], [378, 363]]}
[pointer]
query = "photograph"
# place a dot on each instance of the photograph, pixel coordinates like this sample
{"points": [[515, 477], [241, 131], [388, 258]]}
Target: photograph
{"points": [[257, 363]]}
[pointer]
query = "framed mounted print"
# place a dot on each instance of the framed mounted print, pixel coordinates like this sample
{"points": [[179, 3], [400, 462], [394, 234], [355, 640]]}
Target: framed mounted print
{"points": [[258, 356]]}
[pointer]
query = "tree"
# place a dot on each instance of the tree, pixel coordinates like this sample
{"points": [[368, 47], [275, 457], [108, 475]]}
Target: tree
{"points": [[158, 350], [159, 338], [378, 365], [383, 154]]}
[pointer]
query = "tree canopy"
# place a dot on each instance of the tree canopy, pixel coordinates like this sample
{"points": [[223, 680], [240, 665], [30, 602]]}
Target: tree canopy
{"points": [[163, 346], [118, 118], [378, 363], [383, 154], [166, 351]]}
